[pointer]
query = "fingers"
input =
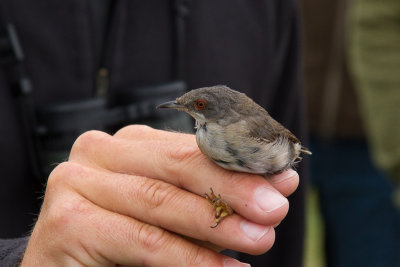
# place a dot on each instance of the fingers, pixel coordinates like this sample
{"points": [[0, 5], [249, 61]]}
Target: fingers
{"points": [[175, 158], [164, 205], [286, 182], [126, 192], [108, 238]]}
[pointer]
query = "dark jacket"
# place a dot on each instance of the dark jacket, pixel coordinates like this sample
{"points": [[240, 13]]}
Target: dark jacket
{"points": [[251, 46]]}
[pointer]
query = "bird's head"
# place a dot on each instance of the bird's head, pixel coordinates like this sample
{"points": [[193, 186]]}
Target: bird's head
{"points": [[208, 104]]}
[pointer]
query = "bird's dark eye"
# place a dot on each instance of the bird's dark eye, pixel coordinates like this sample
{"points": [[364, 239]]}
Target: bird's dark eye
{"points": [[200, 104]]}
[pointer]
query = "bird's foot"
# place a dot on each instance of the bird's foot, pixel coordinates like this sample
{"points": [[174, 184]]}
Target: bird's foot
{"points": [[222, 209]]}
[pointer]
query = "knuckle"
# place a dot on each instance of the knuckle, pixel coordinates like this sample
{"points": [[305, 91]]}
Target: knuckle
{"points": [[151, 238], [66, 212], [57, 175], [134, 130], [62, 174], [156, 194], [181, 153], [60, 179], [177, 158], [87, 141]]}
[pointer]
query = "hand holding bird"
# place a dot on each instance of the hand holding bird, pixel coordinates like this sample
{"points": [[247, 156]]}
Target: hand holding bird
{"points": [[238, 134]]}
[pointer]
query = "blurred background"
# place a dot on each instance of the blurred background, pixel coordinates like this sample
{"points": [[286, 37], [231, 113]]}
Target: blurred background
{"points": [[352, 86], [352, 81]]}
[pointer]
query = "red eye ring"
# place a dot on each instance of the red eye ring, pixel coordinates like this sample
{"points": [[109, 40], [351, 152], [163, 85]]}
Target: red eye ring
{"points": [[200, 104]]}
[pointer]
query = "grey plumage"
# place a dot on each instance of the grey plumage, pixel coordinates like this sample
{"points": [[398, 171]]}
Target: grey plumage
{"points": [[238, 134]]}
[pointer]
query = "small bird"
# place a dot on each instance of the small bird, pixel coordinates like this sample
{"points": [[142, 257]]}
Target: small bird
{"points": [[238, 134]]}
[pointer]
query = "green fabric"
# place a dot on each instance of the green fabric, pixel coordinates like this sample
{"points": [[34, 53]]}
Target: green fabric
{"points": [[374, 40]]}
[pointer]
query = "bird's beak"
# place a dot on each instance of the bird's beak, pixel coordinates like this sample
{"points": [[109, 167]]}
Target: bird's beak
{"points": [[170, 104]]}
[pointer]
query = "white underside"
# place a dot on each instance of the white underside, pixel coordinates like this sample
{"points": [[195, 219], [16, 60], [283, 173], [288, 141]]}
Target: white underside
{"points": [[231, 148]]}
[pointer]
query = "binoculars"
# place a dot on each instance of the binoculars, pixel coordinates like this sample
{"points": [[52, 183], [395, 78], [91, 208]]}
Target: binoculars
{"points": [[57, 126]]}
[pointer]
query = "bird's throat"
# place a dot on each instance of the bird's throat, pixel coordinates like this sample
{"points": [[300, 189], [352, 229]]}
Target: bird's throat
{"points": [[200, 126]]}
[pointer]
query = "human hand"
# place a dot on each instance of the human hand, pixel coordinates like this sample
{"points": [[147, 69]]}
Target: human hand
{"points": [[136, 198]]}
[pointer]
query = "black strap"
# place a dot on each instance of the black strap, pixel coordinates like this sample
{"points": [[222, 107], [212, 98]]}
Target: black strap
{"points": [[181, 11], [12, 58], [102, 13]]}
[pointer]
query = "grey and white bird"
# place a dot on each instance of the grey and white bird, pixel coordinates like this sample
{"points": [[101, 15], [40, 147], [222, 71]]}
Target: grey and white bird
{"points": [[238, 134]]}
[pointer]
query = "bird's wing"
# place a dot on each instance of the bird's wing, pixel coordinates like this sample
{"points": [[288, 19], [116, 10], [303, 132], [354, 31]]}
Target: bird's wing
{"points": [[268, 129], [291, 136]]}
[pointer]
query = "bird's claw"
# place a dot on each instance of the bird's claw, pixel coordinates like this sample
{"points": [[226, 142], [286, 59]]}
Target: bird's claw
{"points": [[222, 209]]}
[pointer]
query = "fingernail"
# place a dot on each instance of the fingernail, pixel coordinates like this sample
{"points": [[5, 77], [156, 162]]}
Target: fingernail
{"points": [[282, 177], [254, 231], [268, 199], [234, 263]]}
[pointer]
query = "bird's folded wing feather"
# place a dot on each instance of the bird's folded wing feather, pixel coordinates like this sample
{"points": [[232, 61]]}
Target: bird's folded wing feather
{"points": [[269, 129]]}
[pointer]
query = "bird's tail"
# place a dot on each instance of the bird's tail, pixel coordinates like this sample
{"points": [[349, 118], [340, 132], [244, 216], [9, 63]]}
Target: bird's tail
{"points": [[305, 151]]}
